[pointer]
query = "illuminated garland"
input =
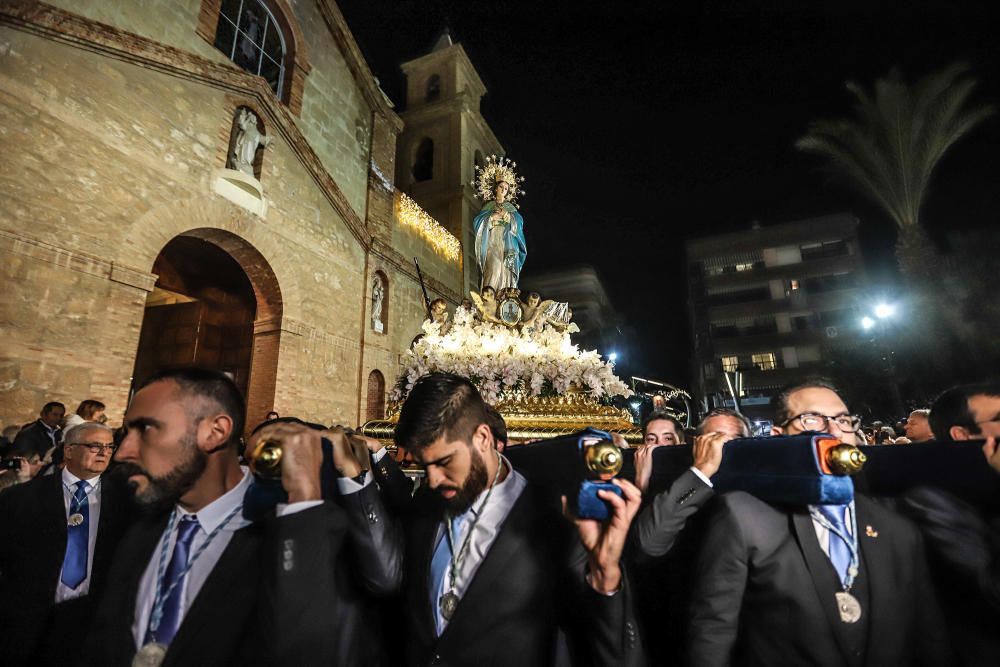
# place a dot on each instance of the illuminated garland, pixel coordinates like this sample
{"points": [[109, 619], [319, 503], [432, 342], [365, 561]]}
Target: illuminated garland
{"points": [[409, 213]]}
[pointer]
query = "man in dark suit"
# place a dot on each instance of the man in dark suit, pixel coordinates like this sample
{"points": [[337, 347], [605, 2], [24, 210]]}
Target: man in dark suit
{"points": [[817, 585], [43, 434], [57, 537], [963, 538], [195, 582], [667, 534], [494, 573]]}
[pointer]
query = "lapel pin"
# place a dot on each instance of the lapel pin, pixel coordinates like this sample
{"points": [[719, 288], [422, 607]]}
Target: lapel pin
{"points": [[871, 532]]}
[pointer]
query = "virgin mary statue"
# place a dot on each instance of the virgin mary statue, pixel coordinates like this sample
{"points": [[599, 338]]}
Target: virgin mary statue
{"points": [[499, 228]]}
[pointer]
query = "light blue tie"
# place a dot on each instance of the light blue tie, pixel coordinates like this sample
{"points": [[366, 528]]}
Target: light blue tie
{"points": [[74, 569], [840, 552], [439, 565], [187, 527]]}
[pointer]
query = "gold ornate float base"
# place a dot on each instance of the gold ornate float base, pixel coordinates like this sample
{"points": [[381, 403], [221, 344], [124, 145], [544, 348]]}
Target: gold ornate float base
{"points": [[536, 418]]}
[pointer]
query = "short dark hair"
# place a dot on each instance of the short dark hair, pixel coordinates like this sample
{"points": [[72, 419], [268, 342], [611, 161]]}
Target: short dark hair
{"points": [[88, 407], [663, 414], [439, 404], [213, 385], [52, 405], [951, 408], [779, 402], [496, 423], [726, 412]]}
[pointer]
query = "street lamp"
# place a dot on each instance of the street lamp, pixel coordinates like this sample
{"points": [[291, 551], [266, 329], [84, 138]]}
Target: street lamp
{"points": [[613, 357], [884, 310]]}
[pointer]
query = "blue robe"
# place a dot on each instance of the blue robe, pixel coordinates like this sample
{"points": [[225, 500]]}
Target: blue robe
{"points": [[513, 245]]}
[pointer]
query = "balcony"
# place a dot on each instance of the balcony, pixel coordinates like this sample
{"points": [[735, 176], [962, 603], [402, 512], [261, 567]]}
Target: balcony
{"points": [[735, 345], [831, 300], [799, 271]]}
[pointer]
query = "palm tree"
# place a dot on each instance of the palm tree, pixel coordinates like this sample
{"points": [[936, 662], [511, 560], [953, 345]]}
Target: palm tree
{"points": [[889, 147]]}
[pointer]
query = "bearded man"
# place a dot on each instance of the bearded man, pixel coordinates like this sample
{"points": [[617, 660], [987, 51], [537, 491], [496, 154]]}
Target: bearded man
{"points": [[494, 572], [195, 582]]}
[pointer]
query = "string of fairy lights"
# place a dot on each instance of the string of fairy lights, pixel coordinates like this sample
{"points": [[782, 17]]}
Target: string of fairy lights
{"points": [[409, 214]]}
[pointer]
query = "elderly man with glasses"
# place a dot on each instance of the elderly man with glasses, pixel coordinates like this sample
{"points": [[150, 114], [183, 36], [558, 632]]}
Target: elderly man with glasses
{"points": [[819, 584], [57, 536]]}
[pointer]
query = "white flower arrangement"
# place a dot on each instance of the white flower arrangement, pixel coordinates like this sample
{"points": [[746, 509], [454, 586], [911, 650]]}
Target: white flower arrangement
{"points": [[501, 360]]}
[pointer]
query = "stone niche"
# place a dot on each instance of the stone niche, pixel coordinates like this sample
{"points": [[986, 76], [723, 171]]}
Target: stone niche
{"points": [[239, 181]]}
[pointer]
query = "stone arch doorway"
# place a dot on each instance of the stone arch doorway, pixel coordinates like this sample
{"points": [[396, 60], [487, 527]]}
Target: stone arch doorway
{"points": [[216, 303]]}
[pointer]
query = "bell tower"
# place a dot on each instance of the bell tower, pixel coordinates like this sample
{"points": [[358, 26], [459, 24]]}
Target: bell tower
{"points": [[444, 136]]}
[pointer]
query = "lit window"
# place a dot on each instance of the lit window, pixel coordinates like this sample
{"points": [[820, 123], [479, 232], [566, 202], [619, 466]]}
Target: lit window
{"points": [[730, 364], [249, 35], [765, 361], [746, 266], [793, 284]]}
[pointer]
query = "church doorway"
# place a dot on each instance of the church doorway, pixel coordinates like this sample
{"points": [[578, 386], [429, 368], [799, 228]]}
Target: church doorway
{"points": [[208, 310]]}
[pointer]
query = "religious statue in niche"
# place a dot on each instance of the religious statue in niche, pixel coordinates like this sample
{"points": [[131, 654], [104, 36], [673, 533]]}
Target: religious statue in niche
{"points": [[499, 228], [378, 294], [248, 140]]}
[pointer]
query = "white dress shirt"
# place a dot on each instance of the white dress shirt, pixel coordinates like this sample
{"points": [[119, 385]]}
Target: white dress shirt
{"points": [[494, 513], [69, 480]]}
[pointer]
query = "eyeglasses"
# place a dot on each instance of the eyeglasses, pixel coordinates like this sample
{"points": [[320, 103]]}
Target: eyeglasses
{"points": [[811, 421], [94, 447]]}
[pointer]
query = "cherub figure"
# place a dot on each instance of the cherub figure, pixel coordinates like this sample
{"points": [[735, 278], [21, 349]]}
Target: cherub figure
{"points": [[486, 304], [439, 316], [533, 311]]}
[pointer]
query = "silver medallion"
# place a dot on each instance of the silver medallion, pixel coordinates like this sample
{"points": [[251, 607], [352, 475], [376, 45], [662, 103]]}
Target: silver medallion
{"points": [[849, 607], [75, 519], [150, 655], [448, 603]]}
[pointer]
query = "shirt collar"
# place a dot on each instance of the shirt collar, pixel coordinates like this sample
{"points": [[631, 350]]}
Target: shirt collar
{"points": [[214, 513], [69, 479], [48, 428]]}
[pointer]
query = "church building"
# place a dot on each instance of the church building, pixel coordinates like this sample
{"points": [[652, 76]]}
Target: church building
{"points": [[223, 183]]}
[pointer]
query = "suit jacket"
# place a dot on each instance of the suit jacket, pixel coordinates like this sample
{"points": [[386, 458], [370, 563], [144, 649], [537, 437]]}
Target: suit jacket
{"points": [[663, 551], [765, 592], [658, 525], [34, 439], [963, 541], [528, 586], [396, 487], [266, 601], [32, 549]]}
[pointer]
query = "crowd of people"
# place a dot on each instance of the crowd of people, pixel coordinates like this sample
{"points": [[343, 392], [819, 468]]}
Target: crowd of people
{"points": [[155, 544]]}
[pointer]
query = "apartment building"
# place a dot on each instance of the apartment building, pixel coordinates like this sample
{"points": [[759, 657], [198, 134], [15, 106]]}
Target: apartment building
{"points": [[770, 302]]}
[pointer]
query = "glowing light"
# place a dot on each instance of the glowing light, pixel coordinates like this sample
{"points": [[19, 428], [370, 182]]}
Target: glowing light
{"points": [[867, 323], [409, 214], [884, 310], [613, 357]]}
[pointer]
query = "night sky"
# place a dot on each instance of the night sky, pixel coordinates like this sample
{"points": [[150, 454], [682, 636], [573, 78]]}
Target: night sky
{"points": [[639, 125]]}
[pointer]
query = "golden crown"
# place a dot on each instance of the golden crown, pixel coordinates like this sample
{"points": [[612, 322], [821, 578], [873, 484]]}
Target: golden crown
{"points": [[497, 170]]}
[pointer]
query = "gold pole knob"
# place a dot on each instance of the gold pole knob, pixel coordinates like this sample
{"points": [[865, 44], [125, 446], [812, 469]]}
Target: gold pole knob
{"points": [[845, 459], [265, 461], [603, 459]]}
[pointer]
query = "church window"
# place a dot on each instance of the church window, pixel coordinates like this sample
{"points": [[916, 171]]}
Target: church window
{"points": [[477, 159], [423, 164], [250, 35], [433, 89], [376, 396]]}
